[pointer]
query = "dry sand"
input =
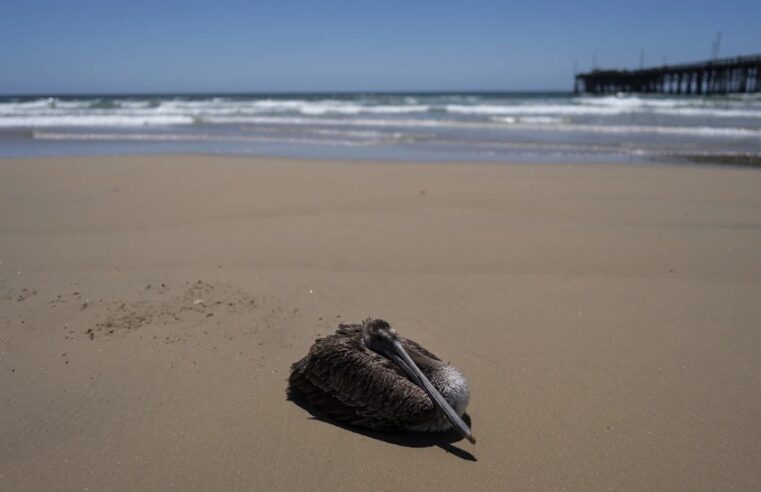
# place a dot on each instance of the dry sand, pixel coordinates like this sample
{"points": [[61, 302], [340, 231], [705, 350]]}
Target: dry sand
{"points": [[608, 319]]}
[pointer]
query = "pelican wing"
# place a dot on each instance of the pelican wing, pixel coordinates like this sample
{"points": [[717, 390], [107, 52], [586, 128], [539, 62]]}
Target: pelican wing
{"points": [[351, 384]]}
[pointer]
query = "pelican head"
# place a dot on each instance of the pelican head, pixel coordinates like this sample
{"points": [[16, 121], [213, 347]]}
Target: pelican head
{"points": [[381, 338]]}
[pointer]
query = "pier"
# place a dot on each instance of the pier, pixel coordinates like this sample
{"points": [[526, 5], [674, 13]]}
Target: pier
{"points": [[718, 76]]}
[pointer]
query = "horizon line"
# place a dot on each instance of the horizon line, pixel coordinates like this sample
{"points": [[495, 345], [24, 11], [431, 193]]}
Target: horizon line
{"points": [[284, 93]]}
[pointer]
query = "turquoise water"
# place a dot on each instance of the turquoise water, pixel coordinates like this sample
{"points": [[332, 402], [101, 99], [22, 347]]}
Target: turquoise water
{"points": [[510, 127]]}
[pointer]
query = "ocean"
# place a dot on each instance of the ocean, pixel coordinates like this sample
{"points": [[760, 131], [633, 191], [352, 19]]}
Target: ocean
{"points": [[497, 127]]}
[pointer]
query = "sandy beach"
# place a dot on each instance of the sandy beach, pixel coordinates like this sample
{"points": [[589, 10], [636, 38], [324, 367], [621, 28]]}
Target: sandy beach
{"points": [[607, 318]]}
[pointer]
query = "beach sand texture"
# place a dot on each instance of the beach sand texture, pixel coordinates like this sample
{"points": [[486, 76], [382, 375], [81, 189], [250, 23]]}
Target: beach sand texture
{"points": [[608, 319]]}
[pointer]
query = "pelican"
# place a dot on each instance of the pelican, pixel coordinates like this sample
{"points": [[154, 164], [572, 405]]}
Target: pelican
{"points": [[366, 375]]}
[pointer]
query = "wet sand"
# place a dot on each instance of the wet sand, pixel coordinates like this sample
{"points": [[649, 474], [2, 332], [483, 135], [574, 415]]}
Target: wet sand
{"points": [[607, 318]]}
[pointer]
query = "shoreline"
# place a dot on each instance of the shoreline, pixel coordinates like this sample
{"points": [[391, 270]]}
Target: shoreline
{"points": [[494, 127], [604, 315], [729, 160]]}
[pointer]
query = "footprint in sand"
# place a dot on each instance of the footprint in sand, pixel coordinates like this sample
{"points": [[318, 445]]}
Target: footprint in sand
{"points": [[190, 304]]}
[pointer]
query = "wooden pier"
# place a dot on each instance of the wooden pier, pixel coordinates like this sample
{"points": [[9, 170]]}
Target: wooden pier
{"points": [[721, 76]]}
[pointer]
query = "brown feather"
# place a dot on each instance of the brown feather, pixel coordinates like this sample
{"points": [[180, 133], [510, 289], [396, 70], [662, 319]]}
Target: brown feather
{"points": [[352, 384]]}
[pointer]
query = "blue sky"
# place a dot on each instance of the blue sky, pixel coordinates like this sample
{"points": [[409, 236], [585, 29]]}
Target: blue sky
{"points": [[79, 46]]}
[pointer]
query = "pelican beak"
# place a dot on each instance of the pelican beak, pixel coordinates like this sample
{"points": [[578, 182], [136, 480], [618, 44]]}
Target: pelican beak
{"points": [[403, 360]]}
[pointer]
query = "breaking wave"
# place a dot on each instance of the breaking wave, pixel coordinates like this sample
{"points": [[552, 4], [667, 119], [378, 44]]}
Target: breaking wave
{"points": [[458, 120]]}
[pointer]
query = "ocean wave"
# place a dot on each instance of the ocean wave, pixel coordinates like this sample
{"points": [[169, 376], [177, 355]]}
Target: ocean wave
{"points": [[701, 107], [348, 122], [506, 123], [535, 109], [702, 131], [208, 107], [184, 137], [408, 116], [537, 123], [296, 106], [628, 102], [438, 107], [600, 110], [699, 131], [710, 112], [540, 120], [94, 121]]}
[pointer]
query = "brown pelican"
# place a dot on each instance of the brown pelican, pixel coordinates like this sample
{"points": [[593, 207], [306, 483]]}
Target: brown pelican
{"points": [[367, 375]]}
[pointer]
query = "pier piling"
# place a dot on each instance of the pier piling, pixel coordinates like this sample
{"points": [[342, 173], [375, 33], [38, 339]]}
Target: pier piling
{"points": [[723, 76]]}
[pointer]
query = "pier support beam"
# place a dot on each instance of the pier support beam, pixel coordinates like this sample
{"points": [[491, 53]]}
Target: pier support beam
{"points": [[712, 77]]}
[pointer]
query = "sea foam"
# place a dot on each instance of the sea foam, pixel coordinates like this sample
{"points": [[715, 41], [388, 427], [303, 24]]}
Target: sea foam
{"points": [[480, 123]]}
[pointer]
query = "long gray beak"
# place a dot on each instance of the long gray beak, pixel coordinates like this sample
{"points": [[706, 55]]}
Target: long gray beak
{"points": [[403, 360]]}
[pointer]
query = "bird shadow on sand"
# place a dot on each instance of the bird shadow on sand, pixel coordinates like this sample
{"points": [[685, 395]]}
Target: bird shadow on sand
{"points": [[443, 440]]}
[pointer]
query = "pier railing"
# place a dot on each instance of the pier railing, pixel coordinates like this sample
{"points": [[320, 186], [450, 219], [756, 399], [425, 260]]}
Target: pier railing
{"points": [[720, 76]]}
